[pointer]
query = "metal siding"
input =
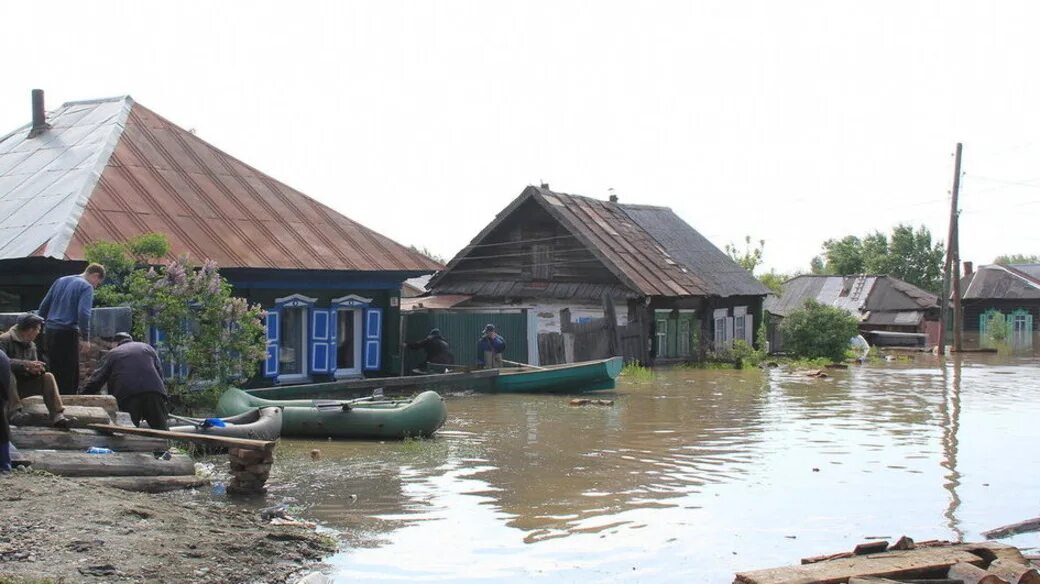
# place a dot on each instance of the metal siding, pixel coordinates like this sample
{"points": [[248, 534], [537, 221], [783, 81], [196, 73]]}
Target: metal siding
{"points": [[462, 329]]}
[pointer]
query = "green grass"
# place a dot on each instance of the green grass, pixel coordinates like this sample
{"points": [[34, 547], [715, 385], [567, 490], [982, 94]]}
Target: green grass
{"points": [[637, 373]]}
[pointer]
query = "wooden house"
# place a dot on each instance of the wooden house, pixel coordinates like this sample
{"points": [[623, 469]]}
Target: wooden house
{"points": [[1010, 290], [570, 261], [891, 312], [111, 169]]}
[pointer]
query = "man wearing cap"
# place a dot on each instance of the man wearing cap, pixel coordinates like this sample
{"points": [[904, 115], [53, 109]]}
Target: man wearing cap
{"points": [[134, 376], [29, 375], [66, 308], [490, 348], [438, 351]]}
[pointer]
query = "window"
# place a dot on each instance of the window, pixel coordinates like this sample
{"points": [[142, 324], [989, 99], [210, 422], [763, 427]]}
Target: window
{"points": [[292, 342], [722, 325], [682, 341]]}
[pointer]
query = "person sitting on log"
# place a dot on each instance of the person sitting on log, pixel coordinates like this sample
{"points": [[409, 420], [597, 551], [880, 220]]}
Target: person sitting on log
{"points": [[134, 376], [29, 375], [436, 347]]}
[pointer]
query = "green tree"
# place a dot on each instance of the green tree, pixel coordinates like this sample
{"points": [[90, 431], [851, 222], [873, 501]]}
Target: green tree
{"points": [[211, 337], [425, 251], [750, 258], [774, 281], [1016, 258], [907, 254], [816, 330], [844, 256], [120, 260]]}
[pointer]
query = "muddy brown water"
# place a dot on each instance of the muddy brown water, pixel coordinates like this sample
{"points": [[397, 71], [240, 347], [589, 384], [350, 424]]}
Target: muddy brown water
{"points": [[688, 477]]}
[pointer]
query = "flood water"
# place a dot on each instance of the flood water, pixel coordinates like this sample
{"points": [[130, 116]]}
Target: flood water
{"points": [[690, 477]]}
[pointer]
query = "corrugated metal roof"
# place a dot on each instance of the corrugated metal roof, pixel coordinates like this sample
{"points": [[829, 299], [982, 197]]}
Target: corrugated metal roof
{"points": [[649, 249], [856, 294], [112, 169], [1000, 282]]}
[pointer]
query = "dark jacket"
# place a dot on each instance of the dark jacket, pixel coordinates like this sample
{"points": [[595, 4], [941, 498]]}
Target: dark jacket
{"points": [[20, 352], [5, 380], [485, 344], [130, 369], [67, 305], [437, 349]]}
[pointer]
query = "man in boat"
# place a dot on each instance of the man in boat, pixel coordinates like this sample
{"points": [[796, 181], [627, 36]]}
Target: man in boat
{"points": [[66, 308], [5, 430], [29, 375], [436, 347], [490, 348], [134, 376]]}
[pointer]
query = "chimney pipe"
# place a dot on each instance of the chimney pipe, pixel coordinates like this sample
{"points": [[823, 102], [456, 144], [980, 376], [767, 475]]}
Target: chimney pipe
{"points": [[613, 195], [545, 185], [968, 268], [39, 114]]}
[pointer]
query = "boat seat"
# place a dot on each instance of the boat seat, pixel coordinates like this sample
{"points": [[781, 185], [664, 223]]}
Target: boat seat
{"points": [[331, 404]]}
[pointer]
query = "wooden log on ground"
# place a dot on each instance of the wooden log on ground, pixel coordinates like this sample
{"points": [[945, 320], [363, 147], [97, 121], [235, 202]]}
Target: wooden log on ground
{"points": [[149, 484], [105, 402], [871, 547], [994, 550], [33, 438], [1014, 529], [265, 445], [973, 575], [916, 563], [80, 464], [1014, 572], [83, 415]]}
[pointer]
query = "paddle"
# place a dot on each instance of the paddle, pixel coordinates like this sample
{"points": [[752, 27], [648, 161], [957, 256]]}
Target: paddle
{"points": [[331, 404], [523, 365]]}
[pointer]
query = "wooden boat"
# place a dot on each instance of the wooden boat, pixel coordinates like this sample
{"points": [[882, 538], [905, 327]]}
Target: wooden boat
{"points": [[361, 419], [255, 424], [567, 378]]}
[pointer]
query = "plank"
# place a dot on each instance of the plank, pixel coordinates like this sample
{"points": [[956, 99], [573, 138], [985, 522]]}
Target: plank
{"points": [[368, 384], [909, 563], [149, 484], [1014, 572], [1013, 529], [80, 464], [970, 574], [266, 445], [106, 402], [84, 415], [34, 438]]}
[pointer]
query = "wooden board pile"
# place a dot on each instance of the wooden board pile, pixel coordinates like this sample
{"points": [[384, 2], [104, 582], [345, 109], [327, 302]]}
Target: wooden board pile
{"points": [[135, 463], [931, 562]]}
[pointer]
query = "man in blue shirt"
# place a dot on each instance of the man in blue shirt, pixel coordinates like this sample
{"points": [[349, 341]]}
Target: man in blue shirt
{"points": [[66, 309], [490, 348]]}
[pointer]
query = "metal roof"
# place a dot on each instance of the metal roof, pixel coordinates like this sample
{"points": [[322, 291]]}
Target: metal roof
{"points": [[650, 250], [857, 294], [1002, 282], [111, 169]]}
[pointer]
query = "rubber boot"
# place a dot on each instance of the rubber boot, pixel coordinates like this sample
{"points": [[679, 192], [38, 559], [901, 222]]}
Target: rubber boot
{"points": [[5, 457]]}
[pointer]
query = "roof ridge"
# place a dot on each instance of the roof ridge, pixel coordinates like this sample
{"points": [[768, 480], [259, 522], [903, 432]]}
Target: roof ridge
{"points": [[99, 100]]}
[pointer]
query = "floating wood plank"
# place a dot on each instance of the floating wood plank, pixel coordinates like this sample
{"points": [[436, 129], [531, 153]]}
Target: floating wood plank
{"points": [[149, 484], [33, 438], [970, 574], [81, 416], [363, 385], [921, 562], [1014, 572], [105, 402], [1013, 529], [225, 441], [79, 464]]}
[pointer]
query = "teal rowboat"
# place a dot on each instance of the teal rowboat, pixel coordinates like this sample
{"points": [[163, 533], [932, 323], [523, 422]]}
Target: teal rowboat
{"points": [[384, 419], [565, 378]]}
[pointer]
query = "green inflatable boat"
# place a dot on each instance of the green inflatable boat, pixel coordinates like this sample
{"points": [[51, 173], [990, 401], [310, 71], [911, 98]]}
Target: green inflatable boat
{"points": [[363, 418]]}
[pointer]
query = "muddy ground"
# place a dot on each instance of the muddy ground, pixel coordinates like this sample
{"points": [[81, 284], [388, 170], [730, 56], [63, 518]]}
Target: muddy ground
{"points": [[56, 529]]}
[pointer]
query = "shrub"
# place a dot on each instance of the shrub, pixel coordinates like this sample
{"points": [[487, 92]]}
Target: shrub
{"points": [[816, 330], [996, 328]]}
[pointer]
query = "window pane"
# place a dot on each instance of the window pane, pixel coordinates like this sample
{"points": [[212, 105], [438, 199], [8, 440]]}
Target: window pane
{"points": [[345, 341], [291, 354]]}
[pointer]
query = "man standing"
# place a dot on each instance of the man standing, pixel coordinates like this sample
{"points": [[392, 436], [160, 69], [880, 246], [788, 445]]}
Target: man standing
{"points": [[66, 309], [134, 376], [490, 348], [29, 375]]}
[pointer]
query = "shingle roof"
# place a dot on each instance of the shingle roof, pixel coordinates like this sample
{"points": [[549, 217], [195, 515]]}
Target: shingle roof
{"points": [[1012, 282], [858, 294], [111, 169], [650, 250]]}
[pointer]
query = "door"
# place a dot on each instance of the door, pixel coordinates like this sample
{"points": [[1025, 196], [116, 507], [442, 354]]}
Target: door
{"points": [[348, 342]]}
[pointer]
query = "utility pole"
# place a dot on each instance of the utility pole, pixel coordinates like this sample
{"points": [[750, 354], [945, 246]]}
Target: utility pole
{"points": [[954, 254]]}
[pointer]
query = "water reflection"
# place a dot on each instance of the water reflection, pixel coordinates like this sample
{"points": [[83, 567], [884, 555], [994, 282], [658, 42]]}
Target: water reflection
{"points": [[693, 476]]}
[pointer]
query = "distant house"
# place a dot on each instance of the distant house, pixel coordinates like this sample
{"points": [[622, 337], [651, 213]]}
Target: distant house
{"points": [[1010, 290], [560, 256], [890, 311], [111, 169]]}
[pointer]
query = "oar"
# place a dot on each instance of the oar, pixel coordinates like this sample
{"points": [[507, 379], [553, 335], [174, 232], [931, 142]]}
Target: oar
{"points": [[523, 365], [375, 398], [192, 421]]}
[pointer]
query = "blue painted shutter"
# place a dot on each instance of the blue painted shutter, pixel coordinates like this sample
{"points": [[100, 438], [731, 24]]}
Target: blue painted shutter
{"points": [[373, 337], [333, 331], [271, 362], [319, 340]]}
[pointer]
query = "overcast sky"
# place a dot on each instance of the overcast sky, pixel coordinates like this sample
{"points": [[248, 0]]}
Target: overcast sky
{"points": [[793, 122]]}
